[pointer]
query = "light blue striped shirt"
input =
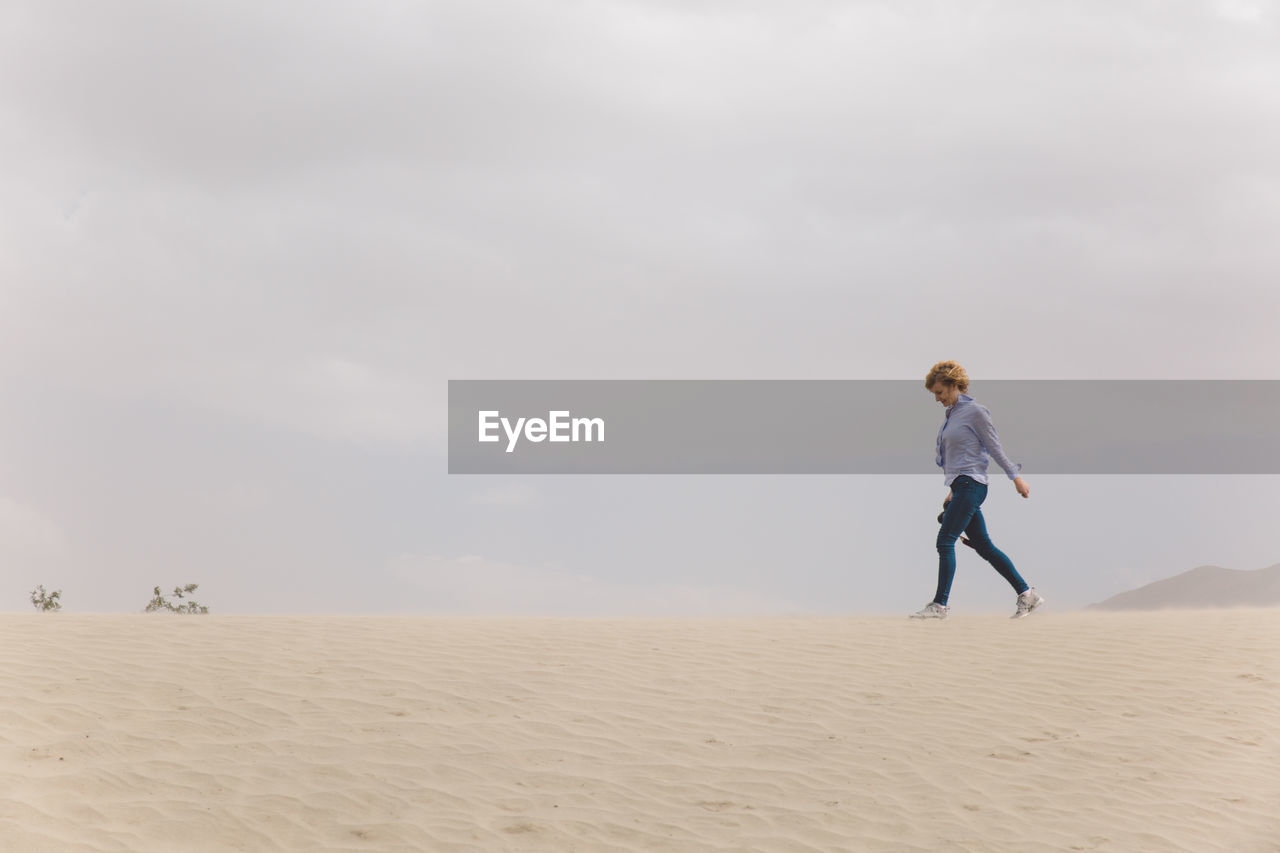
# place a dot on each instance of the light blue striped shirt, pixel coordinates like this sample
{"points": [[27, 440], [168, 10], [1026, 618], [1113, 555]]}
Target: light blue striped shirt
{"points": [[967, 441]]}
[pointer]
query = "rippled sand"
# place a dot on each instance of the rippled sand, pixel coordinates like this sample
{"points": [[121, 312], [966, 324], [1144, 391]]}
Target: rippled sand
{"points": [[1072, 731]]}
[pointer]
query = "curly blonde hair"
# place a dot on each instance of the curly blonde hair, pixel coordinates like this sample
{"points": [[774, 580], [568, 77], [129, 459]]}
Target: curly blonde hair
{"points": [[948, 372]]}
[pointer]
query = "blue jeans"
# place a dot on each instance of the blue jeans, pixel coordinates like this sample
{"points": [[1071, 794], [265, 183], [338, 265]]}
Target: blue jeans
{"points": [[964, 513]]}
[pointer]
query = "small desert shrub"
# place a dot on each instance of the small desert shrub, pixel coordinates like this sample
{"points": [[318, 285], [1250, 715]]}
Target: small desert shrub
{"points": [[46, 601], [158, 603]]}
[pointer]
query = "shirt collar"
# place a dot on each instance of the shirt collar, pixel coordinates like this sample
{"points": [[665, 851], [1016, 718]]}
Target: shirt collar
{"points": [[960, 401]]}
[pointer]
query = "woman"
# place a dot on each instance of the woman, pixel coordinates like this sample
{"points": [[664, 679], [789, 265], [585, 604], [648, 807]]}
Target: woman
{"points": [[966, 443]]}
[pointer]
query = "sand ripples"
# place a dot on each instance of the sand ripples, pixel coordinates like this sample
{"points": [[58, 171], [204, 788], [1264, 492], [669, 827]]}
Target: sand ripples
{"points": [[1083, 731]]}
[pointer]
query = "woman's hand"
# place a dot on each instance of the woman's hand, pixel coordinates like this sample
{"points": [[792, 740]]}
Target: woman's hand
{"points": [[1022, 487]]}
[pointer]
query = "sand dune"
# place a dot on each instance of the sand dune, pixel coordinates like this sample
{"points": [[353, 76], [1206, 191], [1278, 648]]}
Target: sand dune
{"points": [[1074, 731], [1203, 586]]}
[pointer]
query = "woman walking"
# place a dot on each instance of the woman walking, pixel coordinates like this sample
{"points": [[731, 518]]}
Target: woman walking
{"points": [[967, 442]]}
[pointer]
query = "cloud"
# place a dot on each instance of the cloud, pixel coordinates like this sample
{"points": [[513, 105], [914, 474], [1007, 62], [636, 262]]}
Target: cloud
{"points": [[28, 535], [1245, 11], [328, 396], [234, 228], [315, 220], [476, 585], [516, 494]]}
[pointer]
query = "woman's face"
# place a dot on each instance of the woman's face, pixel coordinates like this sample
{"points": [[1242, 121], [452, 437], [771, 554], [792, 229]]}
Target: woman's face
{"points": [[945, 394]]}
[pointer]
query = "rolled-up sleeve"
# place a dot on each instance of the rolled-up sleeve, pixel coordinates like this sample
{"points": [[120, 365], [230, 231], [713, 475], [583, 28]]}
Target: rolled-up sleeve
{"points": [[986, 430]]}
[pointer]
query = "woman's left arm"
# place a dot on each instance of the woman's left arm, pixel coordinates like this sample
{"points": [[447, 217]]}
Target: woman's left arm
{"points": [[986, 430]]}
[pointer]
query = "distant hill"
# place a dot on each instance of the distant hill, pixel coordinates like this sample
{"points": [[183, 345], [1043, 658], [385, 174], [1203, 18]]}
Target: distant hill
{"points": [[1203, 586]]}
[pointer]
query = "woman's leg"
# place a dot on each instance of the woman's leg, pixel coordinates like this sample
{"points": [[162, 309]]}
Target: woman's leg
{"points": [[966, 497], [977, 533]]}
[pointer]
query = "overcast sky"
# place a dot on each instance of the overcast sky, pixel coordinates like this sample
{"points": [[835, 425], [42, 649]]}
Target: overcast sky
{"points": [[243, 246]]}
